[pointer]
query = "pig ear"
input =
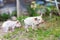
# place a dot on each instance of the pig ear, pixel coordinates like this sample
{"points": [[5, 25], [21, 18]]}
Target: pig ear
{"points": [[41, 15], [35, 19]]}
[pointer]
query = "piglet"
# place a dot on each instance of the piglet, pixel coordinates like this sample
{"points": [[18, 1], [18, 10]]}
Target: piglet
{"points": [[10, 24], [33, 22]]}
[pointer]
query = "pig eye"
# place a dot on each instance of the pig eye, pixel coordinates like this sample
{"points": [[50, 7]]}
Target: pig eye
{"points": [[35, 19]]}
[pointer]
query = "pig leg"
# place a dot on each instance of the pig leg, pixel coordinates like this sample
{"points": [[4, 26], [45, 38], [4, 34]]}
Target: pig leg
{"points": [[33, 27], [13, 28], [26, 28]]}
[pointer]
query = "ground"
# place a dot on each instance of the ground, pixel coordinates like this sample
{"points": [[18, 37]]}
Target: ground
{"points": [[50, 30]]}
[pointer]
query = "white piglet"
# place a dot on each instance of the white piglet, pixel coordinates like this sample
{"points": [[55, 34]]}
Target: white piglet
{"points": [[10, 24], [33, 22]]}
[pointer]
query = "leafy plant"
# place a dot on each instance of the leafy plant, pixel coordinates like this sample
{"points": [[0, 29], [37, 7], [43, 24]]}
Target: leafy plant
{"points": [[21, 18], [4, 17], [52, 9], [31, 11], [0, 18]]}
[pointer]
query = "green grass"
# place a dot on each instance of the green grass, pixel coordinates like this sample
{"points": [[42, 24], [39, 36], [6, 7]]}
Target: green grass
{"points": [[51, 33]]}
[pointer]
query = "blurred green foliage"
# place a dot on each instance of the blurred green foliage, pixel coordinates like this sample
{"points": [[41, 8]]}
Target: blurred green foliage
{"points": [[31, 11], [4, 17]]}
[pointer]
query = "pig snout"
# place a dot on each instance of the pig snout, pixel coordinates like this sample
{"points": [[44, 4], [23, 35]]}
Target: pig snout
{"points": [[42, 22], [18, 24], [37, 24]]}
